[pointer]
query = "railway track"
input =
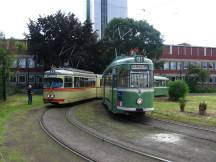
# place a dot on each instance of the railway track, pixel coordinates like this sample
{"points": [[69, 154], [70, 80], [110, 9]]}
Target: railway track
{"points": [[62, 143], [100, 138], [181, 128], [110, 140], [131, 148]]}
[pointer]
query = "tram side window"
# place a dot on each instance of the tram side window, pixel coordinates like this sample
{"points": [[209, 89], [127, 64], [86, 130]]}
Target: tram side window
{"points": [[76, 82], [82, 82], [68, 82], [108, 80], [100, 82], [91, 82], [123, 79], [156, 83]]}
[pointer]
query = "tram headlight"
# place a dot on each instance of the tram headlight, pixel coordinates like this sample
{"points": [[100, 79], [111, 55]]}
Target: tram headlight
{"points": [[139, 101], [52, 96], [48, 96]]}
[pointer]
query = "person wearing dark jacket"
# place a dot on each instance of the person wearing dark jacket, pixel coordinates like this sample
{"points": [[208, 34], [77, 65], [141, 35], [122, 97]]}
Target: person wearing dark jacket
{"points": [[29, 93]]}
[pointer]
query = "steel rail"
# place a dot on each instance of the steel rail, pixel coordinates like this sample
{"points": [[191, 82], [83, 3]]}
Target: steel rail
{"points": [[185, 125], [60, 142], [182, 125], [112, 141]]}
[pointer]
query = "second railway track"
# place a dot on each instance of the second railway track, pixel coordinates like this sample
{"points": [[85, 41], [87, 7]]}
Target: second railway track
{"points": [[98, 145], [93, 148]]}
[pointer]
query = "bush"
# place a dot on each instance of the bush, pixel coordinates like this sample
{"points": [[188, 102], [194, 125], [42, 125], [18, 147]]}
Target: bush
{"points": [[202, 108], [177, 89], [182, 103], [205, 90]]}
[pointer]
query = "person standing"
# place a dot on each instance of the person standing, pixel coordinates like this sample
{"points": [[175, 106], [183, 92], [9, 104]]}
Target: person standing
{"points": [[29, 93]]}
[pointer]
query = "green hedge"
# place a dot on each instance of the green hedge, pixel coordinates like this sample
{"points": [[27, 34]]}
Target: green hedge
{"points": [[178, 89]]}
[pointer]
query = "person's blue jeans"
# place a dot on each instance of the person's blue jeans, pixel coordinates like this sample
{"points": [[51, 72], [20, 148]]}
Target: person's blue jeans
{"points": [[29, 99]]}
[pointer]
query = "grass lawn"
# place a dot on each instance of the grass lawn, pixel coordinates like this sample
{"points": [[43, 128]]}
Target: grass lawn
{"points": [[170, 110], [16, 103]]}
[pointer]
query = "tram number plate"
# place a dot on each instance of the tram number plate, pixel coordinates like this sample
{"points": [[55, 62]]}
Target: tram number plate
{"points": [[139, 110]]}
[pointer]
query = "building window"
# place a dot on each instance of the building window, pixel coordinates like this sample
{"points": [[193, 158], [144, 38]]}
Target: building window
{"points": [[210, 65], [166, 65], [31, 79], [14, 63], [198, 64], [179, 65], [211, 80], [186, 64], [13, 79], [21, 79], [172, 65], [214, 65], [215, 79], [31, 63], [22, 62], [39, 78], [204, 65]]}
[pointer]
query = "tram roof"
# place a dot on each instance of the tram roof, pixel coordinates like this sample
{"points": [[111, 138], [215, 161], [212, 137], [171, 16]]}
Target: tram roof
{"points": [[160, 78], [67, 71], [128, 60]]}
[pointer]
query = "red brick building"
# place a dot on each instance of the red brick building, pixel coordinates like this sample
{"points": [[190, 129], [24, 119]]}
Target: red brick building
{"points": [[24, 69], [178, 57]]}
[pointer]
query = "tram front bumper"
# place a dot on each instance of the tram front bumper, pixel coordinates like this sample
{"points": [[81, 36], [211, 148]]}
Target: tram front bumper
{"points": [[132, 109]]}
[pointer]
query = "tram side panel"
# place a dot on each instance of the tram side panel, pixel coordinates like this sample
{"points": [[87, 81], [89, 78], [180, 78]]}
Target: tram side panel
{"points": [[160, 91]]}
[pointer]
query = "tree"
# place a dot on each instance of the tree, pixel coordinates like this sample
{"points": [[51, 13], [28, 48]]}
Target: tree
{"points": [[125, 34], [60, 40], [5, 61], [194, 75], [2, 36]]}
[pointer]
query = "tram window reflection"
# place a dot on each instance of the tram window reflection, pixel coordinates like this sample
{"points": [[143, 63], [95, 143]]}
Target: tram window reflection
{"points": [[53, 83]]}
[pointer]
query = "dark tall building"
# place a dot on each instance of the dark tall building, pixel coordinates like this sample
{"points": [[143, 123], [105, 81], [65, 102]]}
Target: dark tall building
{"points": [[103, 16], [102, 11]]}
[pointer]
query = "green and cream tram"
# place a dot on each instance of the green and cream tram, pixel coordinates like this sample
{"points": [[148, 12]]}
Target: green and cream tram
{"points": [[160, 86], [70, 85], [128, 85]]}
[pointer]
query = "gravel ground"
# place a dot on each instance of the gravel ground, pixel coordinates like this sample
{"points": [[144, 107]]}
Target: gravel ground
{"points": [[173, 146], [26, 142]]}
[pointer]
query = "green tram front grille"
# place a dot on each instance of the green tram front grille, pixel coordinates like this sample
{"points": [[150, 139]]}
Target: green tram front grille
{"points": [[129, 99]]}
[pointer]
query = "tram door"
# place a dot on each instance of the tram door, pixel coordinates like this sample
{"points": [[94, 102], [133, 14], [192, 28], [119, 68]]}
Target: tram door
{"points": [[114, 91]]}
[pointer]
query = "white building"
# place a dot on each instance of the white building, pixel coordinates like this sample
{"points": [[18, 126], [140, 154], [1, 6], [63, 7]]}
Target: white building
{"points": [[102, 11]]}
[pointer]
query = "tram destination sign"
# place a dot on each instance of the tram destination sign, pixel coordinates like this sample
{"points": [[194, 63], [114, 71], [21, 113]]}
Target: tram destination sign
{"points": [[143, 67], [51, 76]]}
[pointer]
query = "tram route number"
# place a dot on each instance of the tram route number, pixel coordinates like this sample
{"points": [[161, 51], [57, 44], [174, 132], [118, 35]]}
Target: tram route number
{"points": [[119, 93]]}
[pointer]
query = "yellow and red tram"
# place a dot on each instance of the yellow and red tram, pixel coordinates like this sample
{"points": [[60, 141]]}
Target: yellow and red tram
{"points": [[65, 85]]}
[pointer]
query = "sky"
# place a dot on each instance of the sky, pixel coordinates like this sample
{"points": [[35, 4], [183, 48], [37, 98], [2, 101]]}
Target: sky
{"points": [[179, 21]]}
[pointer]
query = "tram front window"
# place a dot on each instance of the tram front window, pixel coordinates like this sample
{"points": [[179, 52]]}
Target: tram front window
{"points": [[53, 83], [140, 80]]}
